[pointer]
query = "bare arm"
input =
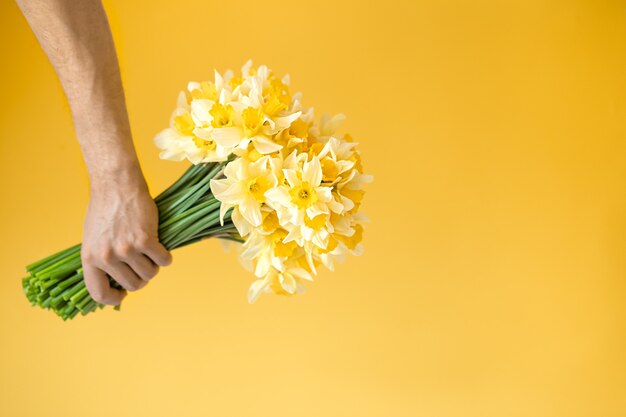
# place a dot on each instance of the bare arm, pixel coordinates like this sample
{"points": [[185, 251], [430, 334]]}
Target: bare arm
{"points": [[120, 232]]}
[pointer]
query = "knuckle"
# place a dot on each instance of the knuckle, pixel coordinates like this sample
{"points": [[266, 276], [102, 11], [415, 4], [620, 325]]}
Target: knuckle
{"points": [[106, 255], [144, 241], [87, 254], [124, 249]]}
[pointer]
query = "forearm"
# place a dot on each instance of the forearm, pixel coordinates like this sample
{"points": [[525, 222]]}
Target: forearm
{"points": [[75, 36], [120, 235]]}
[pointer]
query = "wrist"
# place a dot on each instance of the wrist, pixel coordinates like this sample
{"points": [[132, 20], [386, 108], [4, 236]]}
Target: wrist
{"points": [[123, 179]]}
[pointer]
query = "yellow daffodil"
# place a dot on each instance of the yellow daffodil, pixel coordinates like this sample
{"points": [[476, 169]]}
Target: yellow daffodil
{"points": [[244, 187], [287, 282], [302, 195]]}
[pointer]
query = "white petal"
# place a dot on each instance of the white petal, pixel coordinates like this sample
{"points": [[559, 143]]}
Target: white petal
{"points": [[263, 266], [295, 234], [265, 145], [195, 156], [297, 216], [259, 167], [327, 260], [245, 70], [225, 96], [307, 232], [220, 186], [358, 250], [343, 165], [309, 260], [254, 248], [200, 111], [316, 209], [277, 263], [288, 283], [292, 177], [227, 136], [243, 227], [312, 172], [284, 122], [172, 155], [255, 289], [203, 132], [251, 211], [300, 273], [278, 195], [346, 203], [361, 218], [324, 194], [359, 181], [328, 126], [223, 210], [174, 146], [219, 81], [232, 168], [320, 239], [182, 101], [234, 194], [165, 138]]}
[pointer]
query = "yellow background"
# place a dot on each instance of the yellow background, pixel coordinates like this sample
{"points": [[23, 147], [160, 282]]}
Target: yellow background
{"points": [[493, 282]]}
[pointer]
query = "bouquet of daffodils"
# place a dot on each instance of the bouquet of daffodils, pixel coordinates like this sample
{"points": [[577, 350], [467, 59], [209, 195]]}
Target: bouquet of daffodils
{"points": [[264, 173]]}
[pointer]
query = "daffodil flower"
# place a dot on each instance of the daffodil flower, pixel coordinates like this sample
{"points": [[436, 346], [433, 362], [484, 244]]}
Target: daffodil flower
{"points": [[257, 128], [244, 187], [287, 282], [302, 194]]}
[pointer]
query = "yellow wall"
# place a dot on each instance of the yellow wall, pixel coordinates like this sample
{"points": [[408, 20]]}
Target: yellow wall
{"points": [[493, 282]]}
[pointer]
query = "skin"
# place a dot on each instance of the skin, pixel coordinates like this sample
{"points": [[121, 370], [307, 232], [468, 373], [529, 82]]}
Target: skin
{"points": [[120, 234]]}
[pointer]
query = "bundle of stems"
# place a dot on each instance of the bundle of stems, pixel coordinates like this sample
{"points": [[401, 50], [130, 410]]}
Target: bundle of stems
{"points": [[188, 213]]}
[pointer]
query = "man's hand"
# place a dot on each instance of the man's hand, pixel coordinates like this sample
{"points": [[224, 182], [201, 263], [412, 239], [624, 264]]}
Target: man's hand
{"points": [[120, 239], [120, 234]]}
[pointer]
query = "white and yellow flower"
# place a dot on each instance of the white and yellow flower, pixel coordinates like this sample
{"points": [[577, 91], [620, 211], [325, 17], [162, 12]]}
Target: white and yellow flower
{"points": [[287, 282], [244, 188], [301, 194]]}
